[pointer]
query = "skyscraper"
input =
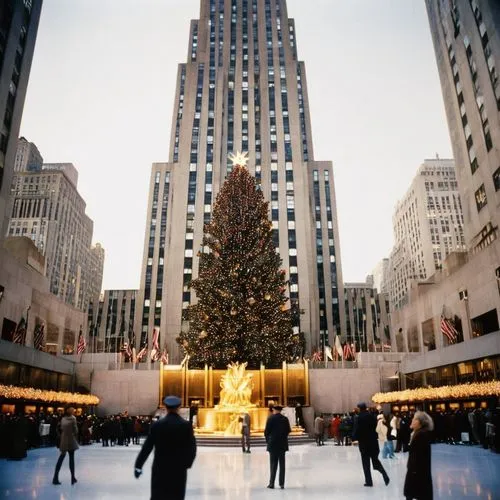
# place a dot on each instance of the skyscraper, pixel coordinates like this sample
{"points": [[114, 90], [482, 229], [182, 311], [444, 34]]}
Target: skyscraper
{"points": [[466, 35], [242, 88], [18, 30], [28, 158], [47, 208], [427, 225]]}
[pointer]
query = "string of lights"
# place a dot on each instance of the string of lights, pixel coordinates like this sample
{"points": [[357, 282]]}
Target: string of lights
{"points": [[461, 391], [32, 394]]}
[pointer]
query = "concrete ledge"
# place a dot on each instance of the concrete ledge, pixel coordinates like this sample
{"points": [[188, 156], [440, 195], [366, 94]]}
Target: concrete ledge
{"points": [[33, 357], [480, 347]]}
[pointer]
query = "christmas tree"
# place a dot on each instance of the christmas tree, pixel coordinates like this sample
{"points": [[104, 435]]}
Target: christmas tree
{"points": [[241, 313]]}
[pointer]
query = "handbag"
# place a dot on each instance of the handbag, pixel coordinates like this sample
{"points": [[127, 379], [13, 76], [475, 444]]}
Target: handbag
{"points": [[394, 433]]}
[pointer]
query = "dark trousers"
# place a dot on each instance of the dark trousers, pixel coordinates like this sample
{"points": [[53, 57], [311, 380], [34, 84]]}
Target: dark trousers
{"points": [[274, 459], [366, 456], [245, 440], [174, 483], [60, 461]]}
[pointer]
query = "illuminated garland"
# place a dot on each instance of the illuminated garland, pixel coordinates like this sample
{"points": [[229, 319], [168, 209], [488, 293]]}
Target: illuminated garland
{"points": [[31, 394], [462, 391]]}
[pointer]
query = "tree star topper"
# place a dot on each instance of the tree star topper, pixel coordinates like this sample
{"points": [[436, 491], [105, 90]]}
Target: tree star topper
{"points": [[239, 159]]}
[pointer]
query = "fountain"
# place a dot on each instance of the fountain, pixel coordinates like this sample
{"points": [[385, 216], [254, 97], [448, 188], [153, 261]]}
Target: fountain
{"points": [[236, 390]]}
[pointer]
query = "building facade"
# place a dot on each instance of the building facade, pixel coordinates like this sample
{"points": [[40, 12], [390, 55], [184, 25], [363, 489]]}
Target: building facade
{"points": [[18, 29], [242, 88], [367, 318], [465, 292], [466, 36], [113, 321], [427, 225], [26, 294], [28, 158], [380, 276], [47, 208]]}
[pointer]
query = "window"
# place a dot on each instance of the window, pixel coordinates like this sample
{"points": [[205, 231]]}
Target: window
{"points": [[496, 179], [480, 196]]}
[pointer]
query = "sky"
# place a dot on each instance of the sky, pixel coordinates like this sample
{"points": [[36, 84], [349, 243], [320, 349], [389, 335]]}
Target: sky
{"points": [[102, 87]]}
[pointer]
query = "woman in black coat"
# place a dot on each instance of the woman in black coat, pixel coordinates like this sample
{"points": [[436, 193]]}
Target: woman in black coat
{"points": [[418, 482]]}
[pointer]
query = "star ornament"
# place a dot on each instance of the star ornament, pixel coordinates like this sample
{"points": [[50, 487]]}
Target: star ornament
{"points": [[240, 159]]}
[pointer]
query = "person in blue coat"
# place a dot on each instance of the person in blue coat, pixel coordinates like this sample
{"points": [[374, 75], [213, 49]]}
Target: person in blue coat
{"points": [[173, 439], [276, 434]]}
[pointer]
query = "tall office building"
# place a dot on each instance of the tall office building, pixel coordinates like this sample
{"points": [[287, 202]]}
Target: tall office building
{"points": [[380, 276], [367, 317], [466, 35], [113, 320], [18, 29], [242, 88], [28, 158], [427, 225], [47, 208]]}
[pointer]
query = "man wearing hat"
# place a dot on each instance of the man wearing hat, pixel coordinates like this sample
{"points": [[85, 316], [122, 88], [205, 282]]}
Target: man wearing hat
{"points": [[175, 450], [276, 434], [364, 432]]}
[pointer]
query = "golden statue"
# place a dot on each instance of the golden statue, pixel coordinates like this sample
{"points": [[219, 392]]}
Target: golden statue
{"points": [[236, 391], [236, 387]]}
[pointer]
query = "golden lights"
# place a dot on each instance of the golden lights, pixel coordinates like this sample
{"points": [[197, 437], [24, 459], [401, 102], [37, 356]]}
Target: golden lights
{"points": [[32, 394], [461, 391], [240, 159]]}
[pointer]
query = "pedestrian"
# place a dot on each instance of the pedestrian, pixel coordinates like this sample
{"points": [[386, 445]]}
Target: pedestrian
{"points": [[391, 435], [245, 432], [418, 482], [319, 429], [381, 430], [173, 439], [365, 434], [67, 443], [276, 434], [335, 429], [299, 416]]}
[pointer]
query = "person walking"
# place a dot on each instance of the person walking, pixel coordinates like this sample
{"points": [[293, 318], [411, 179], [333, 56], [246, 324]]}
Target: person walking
{"points": [[418, 481], [276, 434], [335, 429], [391, 436], [68, 433], [319, 429], [381, 430], [245, 432], [173, 439], [365, 434]]}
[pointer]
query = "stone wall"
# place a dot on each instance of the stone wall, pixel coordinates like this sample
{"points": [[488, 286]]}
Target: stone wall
{"points": [[331, 390], [123, 390], [340, 390]]}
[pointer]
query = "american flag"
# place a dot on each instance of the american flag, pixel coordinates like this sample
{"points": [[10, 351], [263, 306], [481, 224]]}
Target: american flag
{"points": [[20, 333], [164, 356], [448, 329], [316, 357], [348, 353], [81, 343], [39, 336], [155, 351], [143, 352]]}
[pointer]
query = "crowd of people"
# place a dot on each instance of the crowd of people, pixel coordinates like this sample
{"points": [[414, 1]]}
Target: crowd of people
{"points": [[21, 432], [456, 427]]}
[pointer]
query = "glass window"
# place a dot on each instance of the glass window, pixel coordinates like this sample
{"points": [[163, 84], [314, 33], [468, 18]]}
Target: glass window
{"points": [[480, 196]]}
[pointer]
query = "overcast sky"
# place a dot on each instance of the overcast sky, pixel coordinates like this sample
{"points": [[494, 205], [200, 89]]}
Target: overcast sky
{"points": [[102, 86]]}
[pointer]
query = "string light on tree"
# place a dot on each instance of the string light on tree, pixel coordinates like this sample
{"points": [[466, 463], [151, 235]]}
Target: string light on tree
{"points": [[242, 311]]}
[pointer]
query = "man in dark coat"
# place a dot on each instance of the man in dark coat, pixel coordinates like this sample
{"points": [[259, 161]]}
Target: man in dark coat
{"points": [[276, 434], [175, 451], [366, 436]]}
